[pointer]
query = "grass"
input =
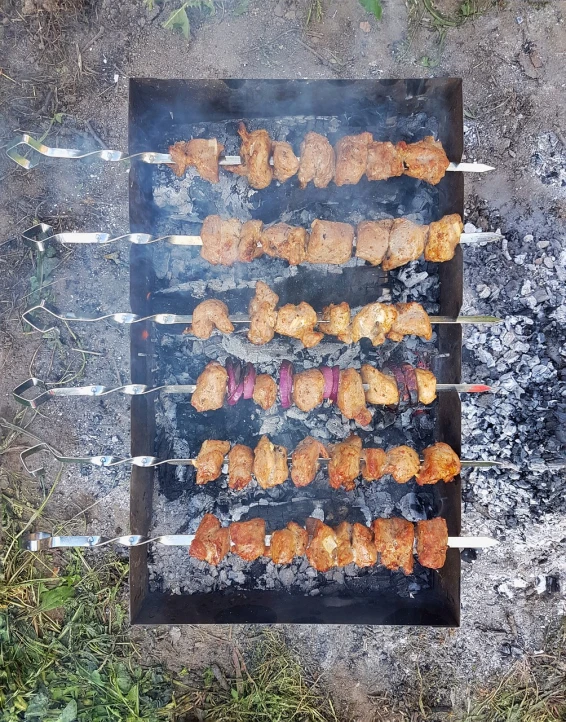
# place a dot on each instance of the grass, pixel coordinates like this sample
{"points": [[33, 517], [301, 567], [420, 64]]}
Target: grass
{"points": [[315, 11]]}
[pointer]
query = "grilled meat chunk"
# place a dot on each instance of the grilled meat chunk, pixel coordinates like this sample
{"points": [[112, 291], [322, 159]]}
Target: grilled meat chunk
{"points": [[299, 322], [317, 161], [210, 388], [308, 389], [284, 241], [344, 551], [351, 397], [406, 243], [285, 162], [240, 466], [374, 462], [321, 549], [338, 317], [441, 463], [382, 389], [384, 161], [248, 538], [263, 316], [201, 153], [425, 160], [209, 315], [351, 158], [426, 386], [443, 237], [373, 321], [394, 539], [211, 543], [344, 464], [365, 553], [432, 542], [265, 391], [330, 242], [372, 240], [220, 240], [286, 544], [402, 463], [270, 464], [304, 460], [412, 320], [210, 459], [254, 154], [249, 247]]}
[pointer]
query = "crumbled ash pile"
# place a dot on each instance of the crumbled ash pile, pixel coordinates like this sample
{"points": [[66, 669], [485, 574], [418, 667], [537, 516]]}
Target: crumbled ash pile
{"points": [[549, 159]]}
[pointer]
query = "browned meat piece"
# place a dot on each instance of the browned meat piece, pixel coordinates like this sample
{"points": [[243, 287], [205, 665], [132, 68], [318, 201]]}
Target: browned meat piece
{"points": [[351, 158], [406, 243], [270, 464], [248, 538], [432, 542], [412, 320], [425, 160], [365, 553], [209, 315], [394, 539], [344, 464], [321, 550], [201, 153], [374, 462], [254, 154], [344, 551], [402, 463], [240, 466], [284, 241], [308, 389], [263, 315], [441, 463], [265, 391], [250, 247], [338, 317], [330, 242], [317, 161], [372, 240], [351, 397], [299, 322], [210, 459], [373, 321], [286, 544], [211, 543], [285, 162], [426, 386], [220, 240], [210, 388], [304, 460], [382, 389], [443, 237], [384, 161]]}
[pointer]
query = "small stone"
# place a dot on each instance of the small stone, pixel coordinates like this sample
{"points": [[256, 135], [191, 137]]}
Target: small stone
{"points": [[365, 26], [543, 244], [512, 153], [520, 259], [470, 228], [529, 238]]}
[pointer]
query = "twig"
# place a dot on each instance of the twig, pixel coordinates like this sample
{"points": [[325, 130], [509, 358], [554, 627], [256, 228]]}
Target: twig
{"points": [[95, 135], [99, 34]]}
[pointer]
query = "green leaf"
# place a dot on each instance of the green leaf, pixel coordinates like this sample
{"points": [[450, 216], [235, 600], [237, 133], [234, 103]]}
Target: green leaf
{"points": [[69, 714], [38, 707], [53, 598], [242, 7], [373, 6], [179, 20], [58, 117]]}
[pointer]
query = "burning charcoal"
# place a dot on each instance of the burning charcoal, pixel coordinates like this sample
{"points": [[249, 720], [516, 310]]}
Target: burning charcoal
{"points": [[417, 507]]}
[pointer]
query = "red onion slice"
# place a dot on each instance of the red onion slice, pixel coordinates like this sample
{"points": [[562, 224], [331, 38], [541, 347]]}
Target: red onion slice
{"points": [[335, 383], [286, 383], [249, 380], [235, 381], [326, 371]]}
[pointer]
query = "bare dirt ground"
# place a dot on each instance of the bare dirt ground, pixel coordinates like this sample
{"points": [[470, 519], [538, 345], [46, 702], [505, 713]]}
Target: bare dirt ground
{"points": [[65, 66]]}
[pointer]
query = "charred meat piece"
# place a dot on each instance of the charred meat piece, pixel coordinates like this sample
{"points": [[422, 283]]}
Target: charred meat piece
{"points": [[426, 386], [374, 462], [351, 397], [443, 237], [265, 391], [344, 551], [211, 543], [317, 161], [299, 322], [412, 320], [249, 246], [384, 161], [210, 459], [344, 464], [210, 390], [248, 538], [220, 240], [394, 539], [402, 463], [209, 315], [351, 158], [240, 466], [432, 542], [330, 242], [263, 315], [321, 550], [201, 153], [270, 464], [411, 383], [372, 240], [382, 389], [285, 241], [397, 373], [304, 460], [337, 318], [425, 160], [286, 544], [285, 162], [373, 321], [441, 463], [365, 553], [406, 243], [254, 154], [308, 389]]}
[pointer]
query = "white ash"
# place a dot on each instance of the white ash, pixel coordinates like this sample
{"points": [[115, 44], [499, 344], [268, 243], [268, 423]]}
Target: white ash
{"points": [[549, 159]]}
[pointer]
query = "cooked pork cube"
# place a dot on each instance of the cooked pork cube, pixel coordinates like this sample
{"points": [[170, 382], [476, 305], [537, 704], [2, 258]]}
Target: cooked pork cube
{"points": [[441, 463], [249, 246], [308, 389], [288, 543], [220, 240], [210, 388], [270, 464], [432, 542], [285, 162], [263, 316], [384, 161], [317, 161], [382, 388], [351, 397], [443, 237], [394, 539], [426, 386], [374, 462], [372, 240], [298, 321], [211, 543], [351, 158], [344, 551], [248, 538], [255, 152], [412, 320], [425, 160], [209, 315], [344, 464], [304, 461], [330, 242], [265, 391], [284, 241], [406, 243], [321, 550], [373, 321], [210, 459], [201, 153], [240, 466], [337, 321], [402, 463], [363, 546]]}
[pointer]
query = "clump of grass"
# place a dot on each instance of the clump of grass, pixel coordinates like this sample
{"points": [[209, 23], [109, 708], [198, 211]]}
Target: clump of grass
{"points": [[315, 11]]}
